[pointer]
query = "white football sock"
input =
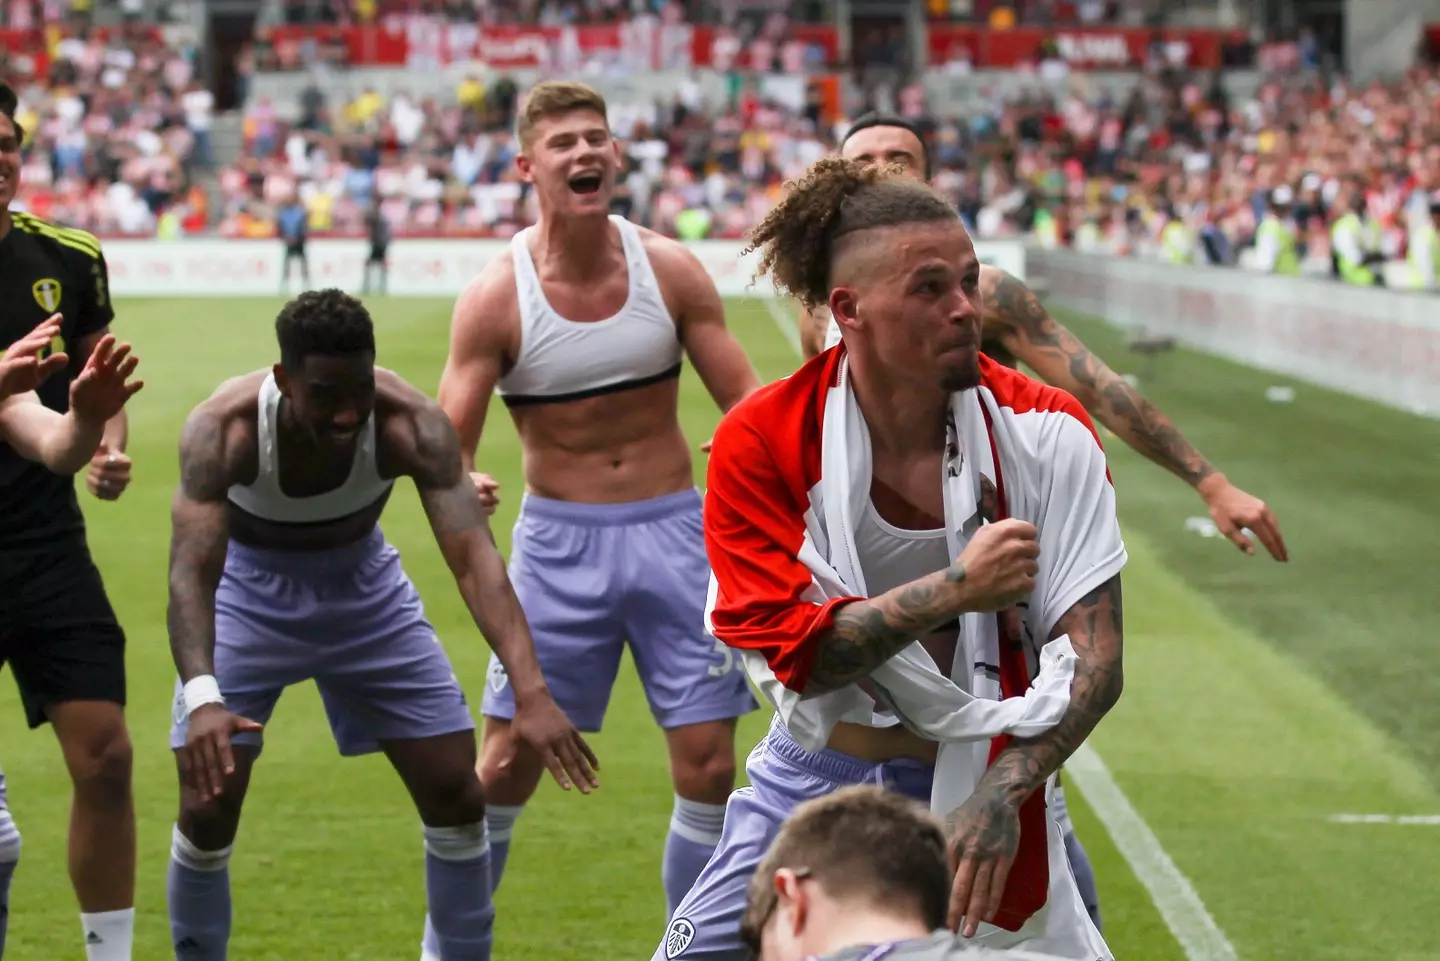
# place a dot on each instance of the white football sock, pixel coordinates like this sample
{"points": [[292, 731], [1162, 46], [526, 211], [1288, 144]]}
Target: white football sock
{"points": [[109, 935]]}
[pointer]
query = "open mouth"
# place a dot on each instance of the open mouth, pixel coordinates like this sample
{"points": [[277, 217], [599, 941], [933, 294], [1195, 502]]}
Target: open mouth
{"points": [[586, 183]]}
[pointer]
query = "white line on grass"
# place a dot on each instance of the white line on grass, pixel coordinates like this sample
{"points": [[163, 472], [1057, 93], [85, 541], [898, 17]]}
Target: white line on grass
{"points": [[1174, 896], [785, 321], [1432, 820]]}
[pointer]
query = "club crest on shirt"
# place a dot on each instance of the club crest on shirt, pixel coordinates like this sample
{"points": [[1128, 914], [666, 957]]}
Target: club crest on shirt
{"points": [[496, 676], [47, 294], [678, 938]]}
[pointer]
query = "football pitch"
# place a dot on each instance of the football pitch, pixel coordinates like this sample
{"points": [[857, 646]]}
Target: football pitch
{"points": [[1263, 703]]}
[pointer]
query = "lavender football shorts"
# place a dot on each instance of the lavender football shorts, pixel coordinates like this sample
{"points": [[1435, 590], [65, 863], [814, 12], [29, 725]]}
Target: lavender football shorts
{"points": [[350, 619], [783, 775], [592, 577]]}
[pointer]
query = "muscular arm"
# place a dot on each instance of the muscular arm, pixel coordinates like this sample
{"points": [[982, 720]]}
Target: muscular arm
{"points": [[199, 536], [463, 533], [64, 443], [868, 633], [717, 355], [1096, 628], [1033, 336], [474, 365], [813, 324]]}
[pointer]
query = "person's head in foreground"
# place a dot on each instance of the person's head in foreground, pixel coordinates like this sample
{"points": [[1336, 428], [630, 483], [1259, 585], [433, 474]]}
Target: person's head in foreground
{"points": [[891, 259], [861, 866], [566, 149], [877, 138], [327, 365]]}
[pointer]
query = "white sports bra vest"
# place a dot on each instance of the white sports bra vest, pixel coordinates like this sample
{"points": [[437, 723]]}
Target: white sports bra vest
{"points": [[890, 556], [562, 360], [265, 500]]}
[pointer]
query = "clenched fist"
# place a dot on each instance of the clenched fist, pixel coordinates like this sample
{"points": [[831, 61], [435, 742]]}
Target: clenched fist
{"points": [[999, 565], [487, 489]]}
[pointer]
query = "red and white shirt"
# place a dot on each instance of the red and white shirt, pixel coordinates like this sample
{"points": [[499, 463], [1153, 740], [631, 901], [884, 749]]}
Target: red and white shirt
{"points": [[764, 509], [784, 518]]}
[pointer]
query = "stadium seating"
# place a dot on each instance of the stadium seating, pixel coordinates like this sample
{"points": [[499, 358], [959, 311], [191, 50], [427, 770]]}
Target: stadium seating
{"points": [[119, 136]]}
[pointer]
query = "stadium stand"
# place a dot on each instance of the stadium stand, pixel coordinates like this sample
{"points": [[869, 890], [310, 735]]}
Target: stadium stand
{"points": [[120, 138]]}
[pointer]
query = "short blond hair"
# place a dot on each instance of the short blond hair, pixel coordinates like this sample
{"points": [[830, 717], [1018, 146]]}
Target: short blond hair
{"points": [[552, 99]]}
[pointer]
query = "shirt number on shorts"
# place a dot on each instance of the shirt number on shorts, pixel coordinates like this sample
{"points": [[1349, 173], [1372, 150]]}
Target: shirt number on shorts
{"points": [[727, 656]]}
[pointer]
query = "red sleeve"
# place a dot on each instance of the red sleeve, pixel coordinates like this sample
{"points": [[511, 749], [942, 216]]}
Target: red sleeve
{"points": [[754, 528]]}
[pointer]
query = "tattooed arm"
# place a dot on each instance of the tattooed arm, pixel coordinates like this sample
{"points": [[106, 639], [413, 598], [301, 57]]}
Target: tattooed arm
{"points": [[1033, 336], [985, 830], [199, 536], [431, 455], [997, 568], [1029, 332]]}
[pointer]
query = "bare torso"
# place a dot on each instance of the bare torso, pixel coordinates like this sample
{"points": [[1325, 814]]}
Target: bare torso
{"points": [[614, 448], [305, 469]]}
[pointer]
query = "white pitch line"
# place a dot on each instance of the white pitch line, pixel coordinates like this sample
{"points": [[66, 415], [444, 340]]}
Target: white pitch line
{"points": [[1185, 914], [1171, 891], [785, 321], [1426, 819]]}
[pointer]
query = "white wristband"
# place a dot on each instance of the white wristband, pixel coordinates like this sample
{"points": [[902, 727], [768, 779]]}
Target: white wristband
{"points": [[202, 690]]}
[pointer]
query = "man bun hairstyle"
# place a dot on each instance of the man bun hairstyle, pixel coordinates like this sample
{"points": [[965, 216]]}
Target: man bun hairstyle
{"points": [[836, 198]]}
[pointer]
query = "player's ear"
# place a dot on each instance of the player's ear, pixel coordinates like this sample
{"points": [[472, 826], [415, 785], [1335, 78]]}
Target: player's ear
{"points": [[282, 379], [792, 903], [844, 306], [525, 166]]}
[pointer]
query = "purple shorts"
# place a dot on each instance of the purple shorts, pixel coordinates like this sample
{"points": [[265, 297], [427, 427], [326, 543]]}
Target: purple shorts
{"points": [[350, 619], [592, 577], [706, 925]]}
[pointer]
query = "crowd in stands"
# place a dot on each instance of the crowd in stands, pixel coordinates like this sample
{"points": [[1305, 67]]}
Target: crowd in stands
{"points": [[117, 128]]}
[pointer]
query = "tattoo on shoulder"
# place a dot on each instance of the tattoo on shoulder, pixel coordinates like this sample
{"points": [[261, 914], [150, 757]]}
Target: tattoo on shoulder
{"points": [[1009, 300], [204, 473], [436, 458]]}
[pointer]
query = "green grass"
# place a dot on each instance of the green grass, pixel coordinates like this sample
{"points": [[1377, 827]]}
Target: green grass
{"points": [[1259, 698]]}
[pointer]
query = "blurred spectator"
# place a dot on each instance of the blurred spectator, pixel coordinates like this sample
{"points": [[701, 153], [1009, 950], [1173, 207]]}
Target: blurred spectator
{"points": [[112, 132]]}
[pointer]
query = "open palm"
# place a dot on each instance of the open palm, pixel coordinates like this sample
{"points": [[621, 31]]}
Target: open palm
{"points": [[101, 390]]}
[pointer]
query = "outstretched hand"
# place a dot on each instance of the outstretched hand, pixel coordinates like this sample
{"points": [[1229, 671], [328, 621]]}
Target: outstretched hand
{"points": [[101, 390], [1235, 512], [21, 368], [545, 728]]}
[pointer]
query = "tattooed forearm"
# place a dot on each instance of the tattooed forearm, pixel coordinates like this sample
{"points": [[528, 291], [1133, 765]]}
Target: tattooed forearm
{"points": [[868, 633], [1095, 626], [1035, 337], [199, 537]]}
